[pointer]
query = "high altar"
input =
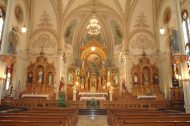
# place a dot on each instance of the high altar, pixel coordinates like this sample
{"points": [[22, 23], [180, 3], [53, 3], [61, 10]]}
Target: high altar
{"points": [[94, 75]]}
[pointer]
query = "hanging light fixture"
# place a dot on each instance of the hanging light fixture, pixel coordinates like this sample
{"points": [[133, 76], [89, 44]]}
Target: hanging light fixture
{"points": [[93, 28]]}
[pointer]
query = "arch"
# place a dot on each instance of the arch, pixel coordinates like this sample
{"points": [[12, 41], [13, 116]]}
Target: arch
{"points": [[87, 50]]}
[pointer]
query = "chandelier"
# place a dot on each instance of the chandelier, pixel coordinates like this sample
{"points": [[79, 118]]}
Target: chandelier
{"points": [[93, 28]]}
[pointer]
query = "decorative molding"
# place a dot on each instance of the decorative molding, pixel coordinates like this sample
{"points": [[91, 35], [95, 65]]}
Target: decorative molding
{"points": [[44, 40], [45, 20], [142, 42], [141, 21]]}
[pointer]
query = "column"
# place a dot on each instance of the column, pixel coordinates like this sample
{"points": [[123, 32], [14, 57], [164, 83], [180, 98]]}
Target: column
{"points": [[7, 27], [128, 74], [184, 69]]}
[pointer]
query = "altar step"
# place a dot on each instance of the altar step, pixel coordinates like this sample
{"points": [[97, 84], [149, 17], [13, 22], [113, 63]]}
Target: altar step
{"points": [[92, 111]]}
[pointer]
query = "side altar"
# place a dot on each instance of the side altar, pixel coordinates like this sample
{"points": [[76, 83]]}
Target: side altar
{"points": [[40, 79]]}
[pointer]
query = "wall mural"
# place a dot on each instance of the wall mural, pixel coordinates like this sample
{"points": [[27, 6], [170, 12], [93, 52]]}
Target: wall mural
{"points": [[19, 14], [87, 38], [117, 32], [70, 29]]}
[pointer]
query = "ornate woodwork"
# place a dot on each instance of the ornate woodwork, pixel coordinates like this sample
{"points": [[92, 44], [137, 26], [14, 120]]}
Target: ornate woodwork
{"points": [[40, 77], [94, 74], [145, 79], [177, 99]]}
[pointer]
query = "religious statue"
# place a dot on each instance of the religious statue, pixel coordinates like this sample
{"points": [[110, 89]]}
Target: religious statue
{"points": [[74, 92], [71, 78], [111, 88], [123, 86], [115, 79], [13, 41], [50, 79], [82, 82], [18, 90], [40, 75], [30, 78], [135, 79], [155, 79], [62, 84], [145, 76], [103, 82]]}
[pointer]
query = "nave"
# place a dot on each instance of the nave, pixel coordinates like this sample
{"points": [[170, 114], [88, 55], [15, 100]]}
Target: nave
{"points": [[92, 120], [11, 116]]}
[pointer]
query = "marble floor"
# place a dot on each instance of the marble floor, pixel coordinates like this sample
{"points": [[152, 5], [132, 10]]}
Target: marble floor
{"points": [[92, 120]]}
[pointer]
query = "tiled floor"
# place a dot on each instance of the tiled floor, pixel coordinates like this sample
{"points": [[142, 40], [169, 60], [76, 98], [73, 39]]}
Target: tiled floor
{"points": [[90, 120]]}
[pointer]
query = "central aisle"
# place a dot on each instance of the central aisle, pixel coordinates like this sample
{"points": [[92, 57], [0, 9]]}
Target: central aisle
{"points": [[92, 120]]}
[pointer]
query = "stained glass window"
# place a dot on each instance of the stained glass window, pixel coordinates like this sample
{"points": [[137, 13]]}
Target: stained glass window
{"points": [[186, 27], [2, 21]]}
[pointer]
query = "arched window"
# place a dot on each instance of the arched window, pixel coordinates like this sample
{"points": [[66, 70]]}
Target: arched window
{"points": [[2, 22], [8, 79], [186, 34], [186, 27]]}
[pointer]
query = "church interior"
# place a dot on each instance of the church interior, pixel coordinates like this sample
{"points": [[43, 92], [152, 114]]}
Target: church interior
{"points": [[94, 62]]}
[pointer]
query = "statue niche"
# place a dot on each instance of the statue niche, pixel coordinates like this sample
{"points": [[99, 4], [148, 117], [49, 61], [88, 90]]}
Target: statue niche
{"points": [[40, 77], [145, 79]]}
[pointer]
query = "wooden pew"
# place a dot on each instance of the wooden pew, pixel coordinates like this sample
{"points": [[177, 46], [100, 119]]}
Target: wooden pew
{"points": [[120, 117], [30, 123], [67, 116]]}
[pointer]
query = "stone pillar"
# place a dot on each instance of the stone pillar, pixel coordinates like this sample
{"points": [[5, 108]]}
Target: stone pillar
{"points": [[184, 69], [128, 74], [7, 27]]}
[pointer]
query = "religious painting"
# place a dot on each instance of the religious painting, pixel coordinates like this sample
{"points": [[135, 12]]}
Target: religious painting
{"points": [[70, 29], [19, 14], [93, 62], [167, 16], [117, 32]]}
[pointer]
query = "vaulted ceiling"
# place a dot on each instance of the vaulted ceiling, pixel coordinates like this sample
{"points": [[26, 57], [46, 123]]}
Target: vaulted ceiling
{"points": [[68, 19]]}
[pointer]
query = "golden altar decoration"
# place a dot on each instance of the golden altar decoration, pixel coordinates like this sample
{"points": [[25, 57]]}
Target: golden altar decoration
{"points": [[145, 79], [93, 75], [40, 77]]}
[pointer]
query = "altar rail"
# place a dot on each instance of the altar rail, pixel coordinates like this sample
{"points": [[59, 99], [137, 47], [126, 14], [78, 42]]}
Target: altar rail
{"points": [[82, 104], [134, 104], [41, 103]]}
